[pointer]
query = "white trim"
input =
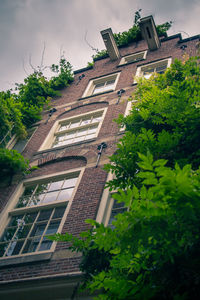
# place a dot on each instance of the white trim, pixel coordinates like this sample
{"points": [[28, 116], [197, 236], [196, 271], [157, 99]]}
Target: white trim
{"points": [[47, 144], [139, 72], [91, 85], [11, 210], [133, 57]]}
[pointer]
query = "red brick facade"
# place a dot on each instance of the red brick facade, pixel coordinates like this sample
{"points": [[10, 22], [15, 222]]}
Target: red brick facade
{"points": [[83, 155]]}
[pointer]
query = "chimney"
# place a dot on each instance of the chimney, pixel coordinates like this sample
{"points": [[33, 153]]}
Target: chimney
{"points": [[110, 44], [149, 33]]}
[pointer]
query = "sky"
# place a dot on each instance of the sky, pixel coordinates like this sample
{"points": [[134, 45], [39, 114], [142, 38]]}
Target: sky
{"points": [[30, 27]]}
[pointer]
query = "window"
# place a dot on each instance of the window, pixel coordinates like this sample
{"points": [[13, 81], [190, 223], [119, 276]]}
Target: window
{"points": [[156, 67], [38, 212], [114, 208], [133, 58], [109, 207], [76, 129], [11, 141], [101, 85]]}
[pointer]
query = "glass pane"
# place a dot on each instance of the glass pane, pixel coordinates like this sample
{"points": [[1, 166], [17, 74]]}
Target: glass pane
{"points": [[59, 212], [18, 247], [52, 228], [79, 139], [23, 232], [74, 123], [67, 142], [23, 201], [56, 185], [90, 136], [92, 129], [161, 69], [29, 190], [36, 199], [110, 82], [65, 194], [50, 197], [30, 218], [31, 245], [96, 119], [44, 215], [11, 248], [42, 188], [70, 182], [98, 85], [118, 205], [8, 234], [45, 245], [64, 127], [15, 220], [38, 229], [3, 248], [81, 132], [86, 121]]}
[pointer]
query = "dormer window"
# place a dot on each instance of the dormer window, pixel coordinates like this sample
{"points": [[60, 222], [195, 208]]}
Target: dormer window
{"points": [[133, 58], [101, 85], [157, 67]]}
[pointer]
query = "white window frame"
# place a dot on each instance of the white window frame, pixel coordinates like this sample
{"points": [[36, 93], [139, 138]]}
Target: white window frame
{"points": [[106, 205], [141, 69], [11, 210], [48, 142], [93, 82], [132, 58]]}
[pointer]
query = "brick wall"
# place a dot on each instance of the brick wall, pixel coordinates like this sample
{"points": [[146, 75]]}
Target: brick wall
{"points": [[88, 195]]}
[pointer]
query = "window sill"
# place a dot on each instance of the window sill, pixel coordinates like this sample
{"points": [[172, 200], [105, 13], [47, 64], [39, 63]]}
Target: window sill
{"points": [[94, 95], [25, 259], [129, 63], [64, 146]]}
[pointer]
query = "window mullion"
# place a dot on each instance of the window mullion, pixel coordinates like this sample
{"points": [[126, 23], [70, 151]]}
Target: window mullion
{"points": [[44, 232], [28, 235]]}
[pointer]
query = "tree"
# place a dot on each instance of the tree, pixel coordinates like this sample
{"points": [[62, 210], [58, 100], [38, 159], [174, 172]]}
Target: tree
{"points": [[153, 250]]}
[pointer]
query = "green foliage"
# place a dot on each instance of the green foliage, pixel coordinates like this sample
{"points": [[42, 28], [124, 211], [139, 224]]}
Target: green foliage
{"points": [[153, 250], [156, 237], [20, 110], [100, 54], [165, 121], [11, 163]]}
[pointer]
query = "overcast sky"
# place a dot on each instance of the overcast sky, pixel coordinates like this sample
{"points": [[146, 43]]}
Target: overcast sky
{"points": [[25, 25]]}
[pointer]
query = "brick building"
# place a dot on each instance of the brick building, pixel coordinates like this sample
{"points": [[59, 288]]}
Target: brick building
{"points": [[68, 186]]}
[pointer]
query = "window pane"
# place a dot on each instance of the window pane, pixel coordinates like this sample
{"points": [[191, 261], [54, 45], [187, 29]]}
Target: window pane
{"points": [[70, 182], [23, 232], [3, 248], [65, 194], [110, 82], [17, 247], [52, 228], [90, 136], [36, 199], [74, 123], [59, 212], [44, 215], [50, 197], [30, 218], [92, 129], [38, 229], [86, 121], [56, 185], [15, 220], [79, 139], [8, 234], [45, 245], [31, 245], [63, 127]]}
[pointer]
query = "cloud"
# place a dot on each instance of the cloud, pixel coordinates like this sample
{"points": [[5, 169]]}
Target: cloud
{"points": [[26, 24]]}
